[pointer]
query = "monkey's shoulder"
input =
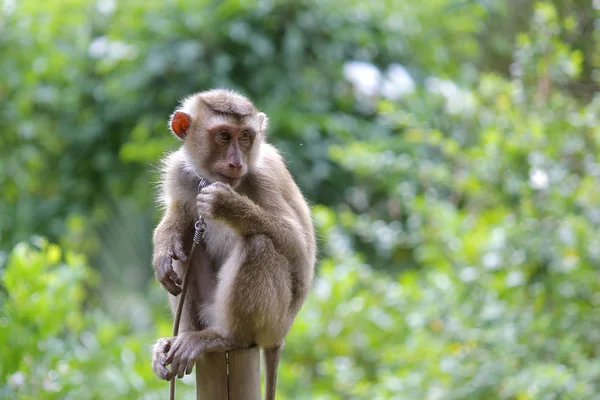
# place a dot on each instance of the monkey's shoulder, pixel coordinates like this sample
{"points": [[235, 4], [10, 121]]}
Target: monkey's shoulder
{"points": [[272, 186], [177, 167], [271, 167], [179, 182], [174, 163]]}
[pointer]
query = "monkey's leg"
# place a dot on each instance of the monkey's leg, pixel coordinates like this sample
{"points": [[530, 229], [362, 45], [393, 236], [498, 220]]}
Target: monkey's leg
{"points": [[252, 302], [271, 361], [188, 323], [252, 305], [198, 294]]}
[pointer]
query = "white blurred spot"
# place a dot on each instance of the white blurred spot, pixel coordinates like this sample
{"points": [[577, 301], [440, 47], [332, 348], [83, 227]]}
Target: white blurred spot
{"points": [[498, 238], [365, 77], [492, 311], [334, 328], [106, 7], [538, 178], [536, 158], [442, 281], [380, 318], [102, 47], [468, 274], [98, 47], [514, 278], [435, 393], [397, 82], [415, 320], [392, 383], [566, 234], [567, 289], [491, 260], [8, 7], [447, 364], [570, 262], [444, 87], [127, 356], [63, 368], [322, 289], [357, 304], [16, 379], [458, 101], [517, 257]]}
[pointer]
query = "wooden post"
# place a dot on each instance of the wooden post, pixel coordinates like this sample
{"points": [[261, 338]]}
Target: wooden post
{"points": [[236, 378]]}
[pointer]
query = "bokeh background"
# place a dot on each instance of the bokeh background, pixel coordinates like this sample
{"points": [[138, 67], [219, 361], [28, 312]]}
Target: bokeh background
{"points": [[449, 150]]}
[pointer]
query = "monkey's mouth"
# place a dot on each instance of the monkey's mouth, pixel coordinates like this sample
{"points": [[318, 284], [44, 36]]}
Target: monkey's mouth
{"points": [[227, 179]]}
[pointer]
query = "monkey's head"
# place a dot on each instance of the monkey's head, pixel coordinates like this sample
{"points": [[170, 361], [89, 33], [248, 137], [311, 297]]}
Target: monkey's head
{"points": [[222, 132]]}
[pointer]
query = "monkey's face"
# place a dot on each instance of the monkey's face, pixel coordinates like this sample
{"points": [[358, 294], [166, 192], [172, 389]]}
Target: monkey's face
{"points": [[222, 132], [219, 147], [229, 148]]}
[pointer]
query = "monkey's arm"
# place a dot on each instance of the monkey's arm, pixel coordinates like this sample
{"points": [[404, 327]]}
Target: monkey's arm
{"points": [[219, 201], [168, 241], [176, 194]]}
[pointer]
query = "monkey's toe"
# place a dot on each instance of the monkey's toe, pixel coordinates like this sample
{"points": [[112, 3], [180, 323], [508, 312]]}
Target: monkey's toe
{"points": [[159, 358], [159, 368]]}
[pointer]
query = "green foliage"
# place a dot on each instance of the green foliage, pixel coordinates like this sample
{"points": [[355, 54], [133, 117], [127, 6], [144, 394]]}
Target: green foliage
{"points": [[54, 344], [450, 150]]}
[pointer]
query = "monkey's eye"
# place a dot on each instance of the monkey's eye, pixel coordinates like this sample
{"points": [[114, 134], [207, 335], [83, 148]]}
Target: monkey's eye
{"points": [[245, 136], [224, 135]]}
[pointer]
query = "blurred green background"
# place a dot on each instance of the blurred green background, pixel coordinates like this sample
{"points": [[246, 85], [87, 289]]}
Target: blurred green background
{"points": [[449, 150]]}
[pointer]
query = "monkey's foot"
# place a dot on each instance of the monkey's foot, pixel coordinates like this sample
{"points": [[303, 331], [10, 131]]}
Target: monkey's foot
{"points": [[182, 353], [159, 358], [187, 347]]}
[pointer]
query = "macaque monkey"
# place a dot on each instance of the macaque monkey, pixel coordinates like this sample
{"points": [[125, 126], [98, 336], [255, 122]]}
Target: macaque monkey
{"points": [[253, 273]]}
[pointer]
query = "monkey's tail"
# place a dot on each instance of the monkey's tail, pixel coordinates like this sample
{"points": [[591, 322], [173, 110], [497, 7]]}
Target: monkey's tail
{"points": [[271, 361]]}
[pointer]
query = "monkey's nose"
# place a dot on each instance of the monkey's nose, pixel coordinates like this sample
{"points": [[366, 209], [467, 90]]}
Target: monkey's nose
{"points": [[235, 164]]}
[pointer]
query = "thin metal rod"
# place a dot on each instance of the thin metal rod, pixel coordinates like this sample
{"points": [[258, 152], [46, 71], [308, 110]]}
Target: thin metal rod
{"points": [[199, 228]]}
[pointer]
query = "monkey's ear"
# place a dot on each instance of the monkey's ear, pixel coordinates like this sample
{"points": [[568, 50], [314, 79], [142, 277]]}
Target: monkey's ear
{"points": [[263, 120], [179, 123]]}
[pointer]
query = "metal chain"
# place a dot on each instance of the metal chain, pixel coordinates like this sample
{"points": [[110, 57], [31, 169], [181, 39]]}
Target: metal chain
{"points": [[200, 225]]}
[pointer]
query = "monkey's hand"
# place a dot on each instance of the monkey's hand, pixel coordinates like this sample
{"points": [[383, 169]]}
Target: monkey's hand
{"points": [[211, 199], [171, 248], [182, 353], [159, 357], [220, 201]]}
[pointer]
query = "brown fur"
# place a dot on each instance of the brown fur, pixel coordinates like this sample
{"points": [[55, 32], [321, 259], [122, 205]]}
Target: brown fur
{"points": [[257, 267]]}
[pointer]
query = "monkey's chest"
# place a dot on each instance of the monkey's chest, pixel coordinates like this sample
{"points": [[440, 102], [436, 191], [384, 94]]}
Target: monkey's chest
{"points": [[220, 240]]}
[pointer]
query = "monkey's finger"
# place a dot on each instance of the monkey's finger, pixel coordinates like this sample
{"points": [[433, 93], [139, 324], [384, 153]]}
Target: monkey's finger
{"points": [[204, 207], [175, 366], [204, 197], [179, 254], [181, 369], [174, 277], [162, 346], [158, 360], [171, 286], [218, 186], [207, 197], [160, 370], [171, 353], [190, 367], [201, 206]]}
